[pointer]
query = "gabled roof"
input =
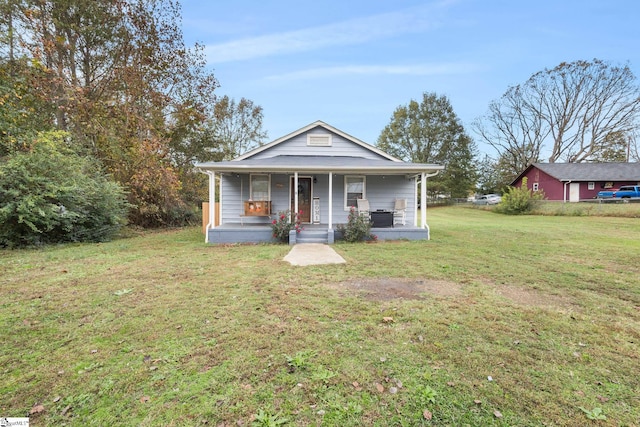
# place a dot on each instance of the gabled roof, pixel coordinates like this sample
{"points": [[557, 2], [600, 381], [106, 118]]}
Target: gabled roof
{"points": [[382, 164], [587, 171], [308, 128]]}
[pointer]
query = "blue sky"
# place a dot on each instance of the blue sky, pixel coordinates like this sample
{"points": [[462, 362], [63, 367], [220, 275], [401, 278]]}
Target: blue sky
{"points": [[352, 63]]}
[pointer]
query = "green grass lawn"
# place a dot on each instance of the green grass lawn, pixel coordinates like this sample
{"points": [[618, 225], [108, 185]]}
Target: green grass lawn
{"points": [[529, 320]]}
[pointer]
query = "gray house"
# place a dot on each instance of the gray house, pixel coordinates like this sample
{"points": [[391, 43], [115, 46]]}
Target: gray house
{"points": [[322, 173]]}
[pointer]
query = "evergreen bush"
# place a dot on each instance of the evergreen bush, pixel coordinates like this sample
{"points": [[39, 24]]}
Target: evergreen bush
{"points": [[49, 194]]}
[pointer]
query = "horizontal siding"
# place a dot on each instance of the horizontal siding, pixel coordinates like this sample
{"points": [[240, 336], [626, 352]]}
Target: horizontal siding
{"points": [[297, 146], [380, 191]]}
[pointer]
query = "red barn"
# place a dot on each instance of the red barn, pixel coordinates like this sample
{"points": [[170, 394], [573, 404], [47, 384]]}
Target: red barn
{"points": [[577, 181]]}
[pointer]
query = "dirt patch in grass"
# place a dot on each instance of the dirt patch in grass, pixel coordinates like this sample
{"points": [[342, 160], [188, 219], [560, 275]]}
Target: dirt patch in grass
{"points": [[386, 289], [532, 297]]}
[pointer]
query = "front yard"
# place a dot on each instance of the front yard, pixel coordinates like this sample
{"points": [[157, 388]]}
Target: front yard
{"points": [[495, 321]]}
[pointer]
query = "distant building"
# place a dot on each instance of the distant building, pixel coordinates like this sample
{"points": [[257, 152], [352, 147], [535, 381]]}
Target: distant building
{"points": [[577, 181]]}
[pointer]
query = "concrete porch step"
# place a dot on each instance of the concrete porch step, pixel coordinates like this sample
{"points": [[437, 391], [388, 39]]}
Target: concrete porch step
{"points": [[312, 236]]}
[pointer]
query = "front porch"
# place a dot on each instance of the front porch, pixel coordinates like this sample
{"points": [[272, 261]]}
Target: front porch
{"points": [[312, 233]]}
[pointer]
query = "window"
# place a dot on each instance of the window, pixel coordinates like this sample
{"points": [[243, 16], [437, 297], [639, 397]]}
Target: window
{"points": [[319, 140], [535, 186], [354, 188], [260, 187], [591, 185]]}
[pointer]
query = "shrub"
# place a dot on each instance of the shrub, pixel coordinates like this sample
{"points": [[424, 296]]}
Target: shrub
{"points": [[519, 200], [283, 225], [50, 194], [358, 228]]}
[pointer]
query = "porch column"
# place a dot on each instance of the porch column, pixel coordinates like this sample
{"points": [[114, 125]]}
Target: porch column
{"points": [[295, 189], [212, 205], [220, 201], [330, 200], [423, 200]]}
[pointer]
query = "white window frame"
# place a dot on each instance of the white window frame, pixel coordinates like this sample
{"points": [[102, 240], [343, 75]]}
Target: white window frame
{"points": [[591, 185], [364, 189], [251, 195], [536, 186], [319, 140]]}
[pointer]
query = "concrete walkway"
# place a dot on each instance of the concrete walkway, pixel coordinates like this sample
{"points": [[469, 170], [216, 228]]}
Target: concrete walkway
{"points": [[313, 254]]}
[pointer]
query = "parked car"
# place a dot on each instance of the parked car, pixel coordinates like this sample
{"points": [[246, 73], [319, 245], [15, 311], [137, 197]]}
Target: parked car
{"points": [[488, 199]]}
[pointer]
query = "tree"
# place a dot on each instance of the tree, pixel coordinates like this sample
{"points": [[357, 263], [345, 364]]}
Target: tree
{"points": [[575, 112], [490, 179], [118, 77], [430, 132], [236, 127]]}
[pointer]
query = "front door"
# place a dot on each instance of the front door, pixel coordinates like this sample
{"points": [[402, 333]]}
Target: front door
{"points": [[574, 192], [304, 198]]}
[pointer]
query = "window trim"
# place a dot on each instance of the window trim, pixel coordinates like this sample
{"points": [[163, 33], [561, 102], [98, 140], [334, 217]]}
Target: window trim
{"points": [[364, 189], [268, 186], [591, 185], [536, 186]]}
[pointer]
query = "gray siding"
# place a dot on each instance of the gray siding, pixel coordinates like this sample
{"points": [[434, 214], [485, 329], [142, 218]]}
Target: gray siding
{"points": [[381, 191], [297, 146]]}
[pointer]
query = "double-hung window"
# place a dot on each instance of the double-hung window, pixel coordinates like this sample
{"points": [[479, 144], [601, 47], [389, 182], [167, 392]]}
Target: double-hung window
{"points": [[354, 189], [260, 187]]}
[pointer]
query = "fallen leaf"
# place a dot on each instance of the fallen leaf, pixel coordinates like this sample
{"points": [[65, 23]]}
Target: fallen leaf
{"points": [[379, 387], [66, 409], [393, 390], [36, 409], [603, 399], [387, 319], [94, 351], [580, 392], [427, 414], [497, 414], [451, 384], [153, 368], [145, 399], [477, 402], [356, 385], [179, 327], [56, 399], [146, 359]]}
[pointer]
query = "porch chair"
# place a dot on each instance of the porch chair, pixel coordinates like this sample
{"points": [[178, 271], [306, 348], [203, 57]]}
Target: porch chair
{"points": [[363, 208], [400, 212]]}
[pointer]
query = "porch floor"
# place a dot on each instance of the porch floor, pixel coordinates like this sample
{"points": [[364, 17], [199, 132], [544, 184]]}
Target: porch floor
{"points": [[256, 232]]}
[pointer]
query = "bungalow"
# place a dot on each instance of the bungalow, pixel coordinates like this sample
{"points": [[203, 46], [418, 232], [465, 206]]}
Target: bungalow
{"points": [[577, 181], [322, 173]]}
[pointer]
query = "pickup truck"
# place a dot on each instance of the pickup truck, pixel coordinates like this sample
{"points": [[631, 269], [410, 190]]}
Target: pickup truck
{"points": [[624, 192]]}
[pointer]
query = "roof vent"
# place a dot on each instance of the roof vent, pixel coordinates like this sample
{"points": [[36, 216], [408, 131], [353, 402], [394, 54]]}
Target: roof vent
{"points": [[319, 140]]}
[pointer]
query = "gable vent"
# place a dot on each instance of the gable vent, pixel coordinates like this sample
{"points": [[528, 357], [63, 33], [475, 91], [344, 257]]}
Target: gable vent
{"points": [[316, 140]]}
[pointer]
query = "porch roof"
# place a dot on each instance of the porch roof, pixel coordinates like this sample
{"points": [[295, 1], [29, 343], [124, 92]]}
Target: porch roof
{"points": [[319, 164]]}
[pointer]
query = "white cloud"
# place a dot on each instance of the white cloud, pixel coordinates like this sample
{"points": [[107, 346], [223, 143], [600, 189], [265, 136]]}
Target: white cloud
{"points": [[354, 31], [445, 68]]}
